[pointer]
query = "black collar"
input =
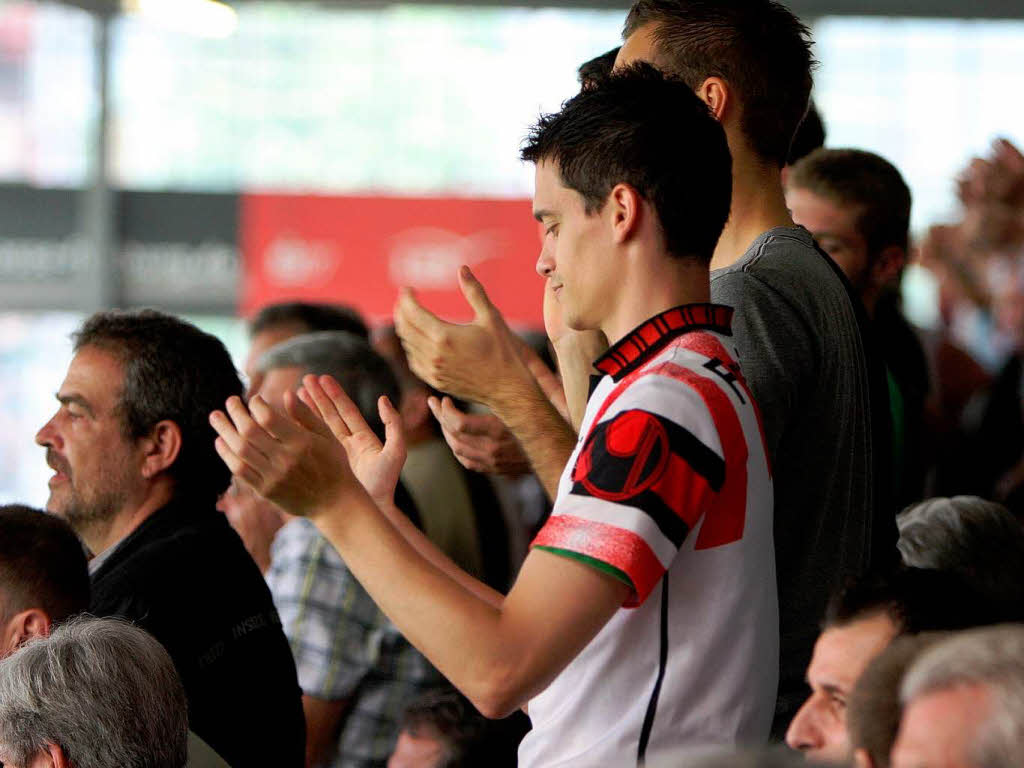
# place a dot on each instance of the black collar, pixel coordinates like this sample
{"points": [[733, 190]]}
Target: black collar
{"points": [[647, 339]]}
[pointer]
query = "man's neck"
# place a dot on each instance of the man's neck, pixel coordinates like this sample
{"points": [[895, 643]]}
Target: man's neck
{"points": [[102, 535], [758, 205], [654, 288]]}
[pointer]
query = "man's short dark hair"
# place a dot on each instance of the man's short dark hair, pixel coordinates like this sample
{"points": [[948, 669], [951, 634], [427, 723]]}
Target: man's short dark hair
{"points": [[172, 371], [809, 136], [42, 565], [861, 180], [310, 318], [596, 69], [649, 130], [446, 716], [757, 46], [917, 600]]}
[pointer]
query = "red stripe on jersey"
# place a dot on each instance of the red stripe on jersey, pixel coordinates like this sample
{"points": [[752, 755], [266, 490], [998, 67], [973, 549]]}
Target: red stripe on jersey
{"points": [[685, 490], [725, 521], [619, 547], [707, 345]]}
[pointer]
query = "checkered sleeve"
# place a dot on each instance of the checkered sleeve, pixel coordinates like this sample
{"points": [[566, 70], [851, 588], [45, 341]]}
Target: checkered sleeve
{"points": [[326, 614]]}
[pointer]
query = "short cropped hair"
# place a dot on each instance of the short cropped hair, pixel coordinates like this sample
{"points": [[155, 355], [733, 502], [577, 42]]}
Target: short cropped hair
{"points": [[649, 130], [446, 715], [757, 46], [103, 690], [977, 539], [310, 317], [172, 371], [596, 69], [864, 181], [988, 657], [42, 565], [362, 373], [874, 710], [915, 599], [810, 135]]}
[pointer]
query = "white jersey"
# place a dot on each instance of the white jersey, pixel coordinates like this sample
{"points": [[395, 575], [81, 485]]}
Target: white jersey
{"points": [[669, 490]]}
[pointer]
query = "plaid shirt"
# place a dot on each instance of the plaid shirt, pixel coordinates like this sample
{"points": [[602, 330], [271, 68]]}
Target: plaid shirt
{"points": [[344, 647]]}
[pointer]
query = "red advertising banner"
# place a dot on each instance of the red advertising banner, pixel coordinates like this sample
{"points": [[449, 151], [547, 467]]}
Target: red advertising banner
{"points": [[360, 250]]}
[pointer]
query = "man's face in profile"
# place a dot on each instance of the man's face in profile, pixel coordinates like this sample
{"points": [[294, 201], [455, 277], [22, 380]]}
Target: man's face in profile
{"points": [[97, 468], [836, 228], [840, 656]]}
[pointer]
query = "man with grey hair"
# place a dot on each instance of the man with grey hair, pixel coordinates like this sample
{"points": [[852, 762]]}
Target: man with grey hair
{"points": [[96, 693], [356, 671], [978, 540], [963, 703]]}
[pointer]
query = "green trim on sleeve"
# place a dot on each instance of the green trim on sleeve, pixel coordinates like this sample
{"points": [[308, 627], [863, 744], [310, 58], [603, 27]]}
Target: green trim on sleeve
{"points": [[593, 562]]}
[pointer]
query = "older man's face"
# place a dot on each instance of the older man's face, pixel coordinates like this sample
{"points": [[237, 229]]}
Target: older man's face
{"points": [[97, 468], [938, 728]]}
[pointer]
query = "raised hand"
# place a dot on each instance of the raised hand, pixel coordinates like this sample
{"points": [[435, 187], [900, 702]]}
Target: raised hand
{"points": [[289, 458], [480, 441], [377, 466], [473, 361]]}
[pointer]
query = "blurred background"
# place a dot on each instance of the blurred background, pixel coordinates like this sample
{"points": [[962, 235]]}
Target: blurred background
{"points": [[208, 159]]}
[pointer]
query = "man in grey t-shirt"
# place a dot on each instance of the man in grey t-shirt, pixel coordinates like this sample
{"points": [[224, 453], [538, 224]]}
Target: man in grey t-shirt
{"points": [[802, 337], [804, 356]]}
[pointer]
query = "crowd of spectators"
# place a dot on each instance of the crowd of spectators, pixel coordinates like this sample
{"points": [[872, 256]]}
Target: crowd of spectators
{"points": [[770, 521]]}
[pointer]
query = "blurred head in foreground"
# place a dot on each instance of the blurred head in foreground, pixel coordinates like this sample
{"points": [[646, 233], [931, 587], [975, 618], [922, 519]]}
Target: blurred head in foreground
{"points": [[96, 693]]}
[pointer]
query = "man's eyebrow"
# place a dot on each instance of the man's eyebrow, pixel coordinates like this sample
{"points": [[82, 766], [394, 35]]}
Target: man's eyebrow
{"points": [[74, 399], [539, 215]]}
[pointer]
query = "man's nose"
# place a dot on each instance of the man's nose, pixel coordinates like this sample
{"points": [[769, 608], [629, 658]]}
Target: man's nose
{"points": [[47, 435], [802, 733], [545, 264]]}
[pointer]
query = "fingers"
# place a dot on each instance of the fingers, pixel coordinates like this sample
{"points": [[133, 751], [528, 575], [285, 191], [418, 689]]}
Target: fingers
{"points": [[335, 407], [238, 468], [466, 424], [271, 421], [242, 434], [411, 315], [304, 415], [394, 434], [476, 296]]}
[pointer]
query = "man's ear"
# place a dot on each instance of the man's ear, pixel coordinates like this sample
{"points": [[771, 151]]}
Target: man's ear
{"points": [[160, 448], [715, 92], [888, 265], [52, 756], [624, 208], [22, 627]]}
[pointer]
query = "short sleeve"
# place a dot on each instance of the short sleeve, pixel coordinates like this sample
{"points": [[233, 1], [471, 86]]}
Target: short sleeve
{"points": [[640, 483], [327, 616]]}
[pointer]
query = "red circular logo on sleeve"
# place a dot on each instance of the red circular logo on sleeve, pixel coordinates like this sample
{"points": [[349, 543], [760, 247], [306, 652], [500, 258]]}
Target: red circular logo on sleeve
{"points": [[624, 456]]}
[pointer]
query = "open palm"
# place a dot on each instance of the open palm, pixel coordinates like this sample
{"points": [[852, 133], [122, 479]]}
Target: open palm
{"points": [[376, 465]]}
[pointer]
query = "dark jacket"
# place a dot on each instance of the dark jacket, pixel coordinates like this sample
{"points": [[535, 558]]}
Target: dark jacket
{"points": [[184, 576]]}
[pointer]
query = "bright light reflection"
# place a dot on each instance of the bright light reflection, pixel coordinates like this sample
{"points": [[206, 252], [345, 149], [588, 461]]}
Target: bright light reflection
{"points": [[204, 18]]}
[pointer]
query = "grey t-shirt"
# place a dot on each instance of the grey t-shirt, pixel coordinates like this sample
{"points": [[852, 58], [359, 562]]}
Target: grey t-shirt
{"points": [[803, 354]]}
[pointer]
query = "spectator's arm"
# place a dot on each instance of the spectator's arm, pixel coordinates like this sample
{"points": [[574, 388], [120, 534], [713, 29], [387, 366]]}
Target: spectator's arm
{"points": [[483, 361], [499, 656]]}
